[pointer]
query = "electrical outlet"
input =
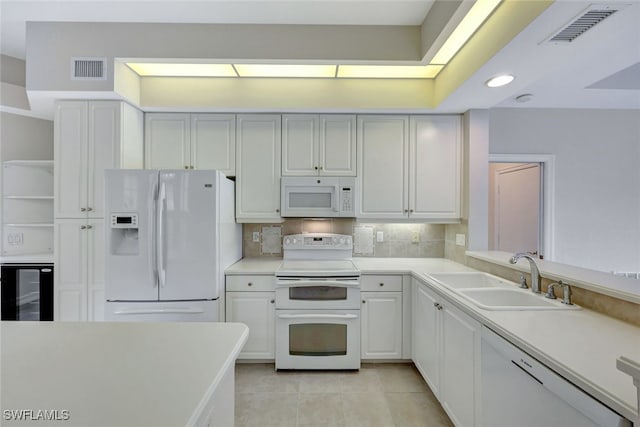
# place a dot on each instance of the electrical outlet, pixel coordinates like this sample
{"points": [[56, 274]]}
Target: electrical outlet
{"points": [[256, 236], [461, 239], [415, 237], [379, 236]]}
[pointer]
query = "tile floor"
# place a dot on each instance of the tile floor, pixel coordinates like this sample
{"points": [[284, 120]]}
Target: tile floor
{"points": [[393, 395]]}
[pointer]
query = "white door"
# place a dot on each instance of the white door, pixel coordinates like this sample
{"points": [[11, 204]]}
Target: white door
{"points": [[337, 148], [167, 141], [213, 142], [257, 311], [517, 207], [131, 259], [382, 165], [187, 234], [460, 362], [381, 325], [300, 145], [103, 149], [434, 167], [425, 339], [95, 269], [70, 172], [71, 269], [258, 176]]}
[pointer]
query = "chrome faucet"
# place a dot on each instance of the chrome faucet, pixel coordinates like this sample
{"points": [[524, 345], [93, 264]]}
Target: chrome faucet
{"points": [[566, 292], [535, 273]]}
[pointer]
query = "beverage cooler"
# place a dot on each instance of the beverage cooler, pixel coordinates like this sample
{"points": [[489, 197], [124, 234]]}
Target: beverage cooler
{"points": [[26, 292]]}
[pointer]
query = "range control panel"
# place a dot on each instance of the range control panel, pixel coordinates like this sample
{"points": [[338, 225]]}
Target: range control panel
{"points": [[317, 241]]}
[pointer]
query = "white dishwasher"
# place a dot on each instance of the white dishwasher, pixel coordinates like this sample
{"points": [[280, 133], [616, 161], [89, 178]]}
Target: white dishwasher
{"points": [[517, 390]]}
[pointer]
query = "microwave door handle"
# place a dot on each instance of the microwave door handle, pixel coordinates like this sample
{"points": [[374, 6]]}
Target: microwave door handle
{"points": [[336, 199], [308, 283], [160, 235]]}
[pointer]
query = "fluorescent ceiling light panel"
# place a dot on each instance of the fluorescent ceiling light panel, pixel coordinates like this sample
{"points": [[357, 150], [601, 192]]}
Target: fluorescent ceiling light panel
{"points": [[469, 24], [389, 71], [285, 70], [182, 70]]}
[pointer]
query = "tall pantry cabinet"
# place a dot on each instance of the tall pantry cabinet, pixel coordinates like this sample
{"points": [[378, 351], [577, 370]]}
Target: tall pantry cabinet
{"points": [[89, 137]]}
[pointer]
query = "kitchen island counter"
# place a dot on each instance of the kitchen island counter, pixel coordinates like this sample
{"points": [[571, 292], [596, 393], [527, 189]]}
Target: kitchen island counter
{"points": [[119, 374]]}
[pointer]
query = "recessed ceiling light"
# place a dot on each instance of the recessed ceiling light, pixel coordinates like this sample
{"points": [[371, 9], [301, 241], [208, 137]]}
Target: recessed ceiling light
{"points": [[501, 80]]}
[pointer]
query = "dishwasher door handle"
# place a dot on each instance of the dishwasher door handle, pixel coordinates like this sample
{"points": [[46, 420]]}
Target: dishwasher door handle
{"points": [[317, 316]]}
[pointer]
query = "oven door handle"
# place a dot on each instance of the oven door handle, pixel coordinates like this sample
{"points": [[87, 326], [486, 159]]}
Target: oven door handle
{"points": [[317, 316], [307, 283]]}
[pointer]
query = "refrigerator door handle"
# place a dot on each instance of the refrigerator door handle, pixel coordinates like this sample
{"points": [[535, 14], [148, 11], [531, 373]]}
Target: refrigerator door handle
{"points": [[153, 207], [162, 198]]}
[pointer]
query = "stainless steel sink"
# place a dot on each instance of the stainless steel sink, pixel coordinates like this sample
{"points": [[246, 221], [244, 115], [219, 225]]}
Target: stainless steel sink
{"points": [[512, 299], [469, 280]]}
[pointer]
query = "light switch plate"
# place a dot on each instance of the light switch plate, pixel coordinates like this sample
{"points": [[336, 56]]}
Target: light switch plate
{"points": [[461, 239], [415, 237], [379, 236], [256, 236]]}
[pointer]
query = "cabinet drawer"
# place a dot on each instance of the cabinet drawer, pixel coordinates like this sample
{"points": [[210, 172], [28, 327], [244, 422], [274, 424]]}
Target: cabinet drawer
{"points": [[381, 283], [251, 283]]}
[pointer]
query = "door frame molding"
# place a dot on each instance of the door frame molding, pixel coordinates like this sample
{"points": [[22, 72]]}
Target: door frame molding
{"points": [[548, 193]]}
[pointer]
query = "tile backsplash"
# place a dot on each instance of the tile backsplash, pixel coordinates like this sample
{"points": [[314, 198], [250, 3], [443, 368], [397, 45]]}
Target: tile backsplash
{"points": [[398, 240]]}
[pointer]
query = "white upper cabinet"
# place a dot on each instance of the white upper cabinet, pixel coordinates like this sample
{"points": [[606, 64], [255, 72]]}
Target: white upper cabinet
{"points": [[434, 167], [190, 141], [382, 166], [167, 141], [410, 167], [213, 142], [90, 137], [318, 145], [258, 150]]}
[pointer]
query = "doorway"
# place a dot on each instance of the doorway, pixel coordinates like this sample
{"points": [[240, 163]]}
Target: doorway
{"points": [[515, 210], [521, 204]]}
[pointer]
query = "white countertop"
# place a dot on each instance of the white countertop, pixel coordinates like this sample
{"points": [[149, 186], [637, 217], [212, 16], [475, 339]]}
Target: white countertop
{"points": [[581, 345], [116, 374]]}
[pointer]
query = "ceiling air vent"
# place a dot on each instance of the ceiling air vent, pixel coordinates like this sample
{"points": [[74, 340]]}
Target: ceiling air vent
{"points": [[583, 23], [88, 68]]}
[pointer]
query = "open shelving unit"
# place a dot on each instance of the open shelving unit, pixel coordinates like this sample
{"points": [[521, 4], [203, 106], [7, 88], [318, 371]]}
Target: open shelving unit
{"points": [[27, 210]]}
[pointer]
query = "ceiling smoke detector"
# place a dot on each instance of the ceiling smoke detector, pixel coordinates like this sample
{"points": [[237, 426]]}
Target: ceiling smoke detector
{"points": [[525, 97]]}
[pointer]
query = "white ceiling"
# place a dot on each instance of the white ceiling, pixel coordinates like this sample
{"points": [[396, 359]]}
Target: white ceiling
{"points": [[558, 76]]}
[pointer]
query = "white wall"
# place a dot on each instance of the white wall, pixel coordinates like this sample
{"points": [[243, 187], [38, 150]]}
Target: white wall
{"points": [[597, 192]]}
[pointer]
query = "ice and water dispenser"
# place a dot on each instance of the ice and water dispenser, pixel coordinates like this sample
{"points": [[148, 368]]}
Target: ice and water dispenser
{"points": [[124, 234]]}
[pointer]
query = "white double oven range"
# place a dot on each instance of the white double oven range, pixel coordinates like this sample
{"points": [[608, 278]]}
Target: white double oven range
{"points": [[317, 304]]}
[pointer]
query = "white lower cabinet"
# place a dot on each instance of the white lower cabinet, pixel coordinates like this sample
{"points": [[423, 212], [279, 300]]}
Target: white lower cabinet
{"points": [[381, 325], [446, 351], [79, 272], [381, 317], [251, 300]]}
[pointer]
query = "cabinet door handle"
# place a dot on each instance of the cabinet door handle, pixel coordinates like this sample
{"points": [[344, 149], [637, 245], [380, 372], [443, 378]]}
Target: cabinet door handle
{"points": [[83, 209], [410, 210], [315, 167], [381, 284], [364, 301], [437, 305], [272, 301], [277, 210], [89, 209], [249, 284], [192, 167], [89, 227], [83, 227], [320, 167], [186, 167], [406, 210]]}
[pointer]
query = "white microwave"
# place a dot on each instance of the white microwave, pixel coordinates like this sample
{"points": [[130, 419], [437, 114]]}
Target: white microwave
{"points": [[317, 196]]}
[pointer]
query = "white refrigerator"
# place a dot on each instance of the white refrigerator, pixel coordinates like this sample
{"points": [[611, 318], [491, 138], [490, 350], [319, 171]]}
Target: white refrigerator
{"points": [[170, 234]]}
